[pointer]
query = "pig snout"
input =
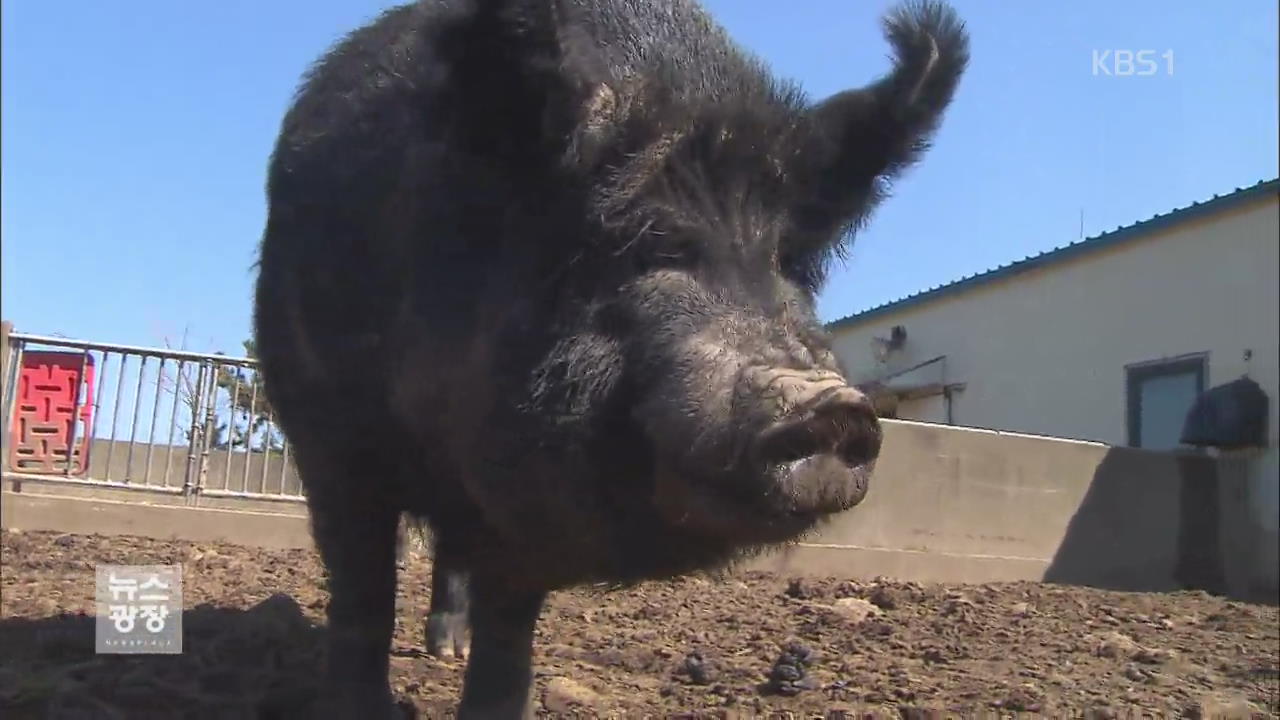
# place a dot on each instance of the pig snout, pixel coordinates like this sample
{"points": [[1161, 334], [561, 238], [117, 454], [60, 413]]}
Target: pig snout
{"points": [[837, 420], [822, 441]]}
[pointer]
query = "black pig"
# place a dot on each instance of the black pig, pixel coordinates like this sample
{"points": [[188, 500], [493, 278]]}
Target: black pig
{"points": [[542, 273]]}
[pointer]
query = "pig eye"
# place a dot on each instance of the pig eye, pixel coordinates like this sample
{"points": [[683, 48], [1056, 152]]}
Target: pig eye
{"points": [[787, 263], [794, 265], [670, 250]]}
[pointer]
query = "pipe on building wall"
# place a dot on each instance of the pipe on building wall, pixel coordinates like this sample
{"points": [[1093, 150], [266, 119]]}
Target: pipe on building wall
{"points": [[947, 388], [941, 358], [946, 391]]}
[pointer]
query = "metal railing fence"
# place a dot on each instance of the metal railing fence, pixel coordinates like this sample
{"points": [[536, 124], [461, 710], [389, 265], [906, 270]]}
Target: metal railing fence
{"points": [[154, 419]]}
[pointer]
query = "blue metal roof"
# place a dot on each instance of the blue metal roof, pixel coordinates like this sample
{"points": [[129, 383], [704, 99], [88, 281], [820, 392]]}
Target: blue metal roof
{"points": [[1118, 236]]}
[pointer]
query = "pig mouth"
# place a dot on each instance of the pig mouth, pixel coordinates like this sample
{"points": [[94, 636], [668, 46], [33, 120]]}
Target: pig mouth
{"points": [[776, 504], [795, 473]]}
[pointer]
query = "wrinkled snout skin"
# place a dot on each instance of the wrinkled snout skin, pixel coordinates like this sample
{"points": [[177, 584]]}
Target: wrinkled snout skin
{"points": [[756, 433], [812, 459], [541, 274]]}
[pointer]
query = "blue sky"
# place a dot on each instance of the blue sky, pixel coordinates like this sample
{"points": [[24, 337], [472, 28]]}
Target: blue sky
{"points": [[136, 135]]}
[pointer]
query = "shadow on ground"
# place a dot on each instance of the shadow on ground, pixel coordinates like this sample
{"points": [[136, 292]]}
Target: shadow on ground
{"points": [[257, 663]]}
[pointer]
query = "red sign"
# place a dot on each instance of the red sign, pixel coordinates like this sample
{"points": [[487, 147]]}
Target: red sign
{"points": [[40, 435]]}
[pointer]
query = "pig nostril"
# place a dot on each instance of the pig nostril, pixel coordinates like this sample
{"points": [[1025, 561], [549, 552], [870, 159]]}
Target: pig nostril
{"points": [[791, 441], [852, 425], [862, 446], [841, 423]]}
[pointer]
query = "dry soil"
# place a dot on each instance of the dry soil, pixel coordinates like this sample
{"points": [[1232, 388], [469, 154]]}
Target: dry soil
{"points": [[752, 645]]}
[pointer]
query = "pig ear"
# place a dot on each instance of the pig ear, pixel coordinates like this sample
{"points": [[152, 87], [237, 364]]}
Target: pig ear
{"points": [[862, 139], [529, 75]]}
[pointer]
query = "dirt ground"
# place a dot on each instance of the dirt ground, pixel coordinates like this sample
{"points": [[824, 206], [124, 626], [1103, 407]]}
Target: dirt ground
{"points": [[754, 645]]}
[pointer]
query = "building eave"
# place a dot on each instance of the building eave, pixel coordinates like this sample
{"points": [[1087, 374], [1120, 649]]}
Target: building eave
{"points": [[1130, 233]]}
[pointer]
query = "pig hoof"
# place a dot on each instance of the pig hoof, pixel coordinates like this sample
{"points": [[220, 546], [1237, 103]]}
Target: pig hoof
{"points": [[446, 635]]}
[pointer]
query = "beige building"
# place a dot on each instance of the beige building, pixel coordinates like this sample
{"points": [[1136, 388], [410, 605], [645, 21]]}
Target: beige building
{"points": [[1110, 339]]}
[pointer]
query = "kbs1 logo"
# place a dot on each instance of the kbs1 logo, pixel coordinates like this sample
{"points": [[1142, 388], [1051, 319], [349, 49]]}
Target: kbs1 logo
{"points": [[1127, 63]]}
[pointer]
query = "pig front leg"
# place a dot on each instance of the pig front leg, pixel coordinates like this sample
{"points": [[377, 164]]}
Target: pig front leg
{"points": [[355, 533], [499, 672]]}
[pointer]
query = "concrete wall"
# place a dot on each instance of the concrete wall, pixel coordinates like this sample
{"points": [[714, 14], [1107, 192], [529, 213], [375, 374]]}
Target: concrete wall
{"points": [[1045, 351], [968, 505], [106, 512], [946, 504]]}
